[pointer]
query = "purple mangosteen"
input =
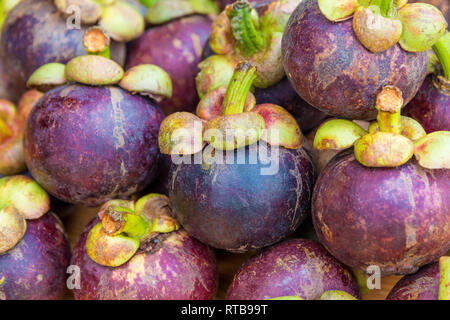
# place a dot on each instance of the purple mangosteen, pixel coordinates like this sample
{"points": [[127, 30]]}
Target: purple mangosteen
{"points": [[251, 189], [34, 251], [337, 63], [431, 282], [293, 268], [385, 203], [92, 140], [136, 251]]}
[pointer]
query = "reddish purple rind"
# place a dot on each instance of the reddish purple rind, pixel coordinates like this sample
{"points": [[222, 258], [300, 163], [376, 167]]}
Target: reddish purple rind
{"points": [[36, 33], [235, 207], [430, 107], [423, 285], [176, 47], [395, 218], [181, 269], [284, 95], [35, 269], [87, 145], [331, 70], [296, 267]]}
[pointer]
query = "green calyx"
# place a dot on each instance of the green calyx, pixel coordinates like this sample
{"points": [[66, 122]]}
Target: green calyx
{"points": [[94, 70], [47, 77], [389, 142], [380, 24], [125, 227], [444, 278], [161, 11], [20, 199], [148, 80], [122, 21], [433, 150], [337, 134], [244, 23]]}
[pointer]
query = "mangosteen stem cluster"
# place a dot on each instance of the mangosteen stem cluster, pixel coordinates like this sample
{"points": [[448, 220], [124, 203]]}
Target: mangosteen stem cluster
{"points": [[227, 119], [97, 69], [380, 24], [391, 141], [241, 33], [21, 199], [125, 226]]}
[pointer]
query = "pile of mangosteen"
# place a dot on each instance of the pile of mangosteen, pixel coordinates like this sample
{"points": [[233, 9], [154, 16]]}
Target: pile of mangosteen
{"points": [[148, 147]]}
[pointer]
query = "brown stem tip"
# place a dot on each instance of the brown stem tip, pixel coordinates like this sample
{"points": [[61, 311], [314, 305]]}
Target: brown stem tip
{"points": [[390, 99]]}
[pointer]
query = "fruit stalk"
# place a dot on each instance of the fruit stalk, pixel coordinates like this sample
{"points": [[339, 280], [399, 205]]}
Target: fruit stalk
{"points": [[240, 84]]}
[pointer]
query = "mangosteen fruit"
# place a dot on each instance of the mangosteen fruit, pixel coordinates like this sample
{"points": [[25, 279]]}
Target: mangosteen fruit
{"points": [[89, 140], [431, 105], [34, 251], [385, 203], [297, 269], [431, 282], [239, 179], [137, 251], [338, 56]]}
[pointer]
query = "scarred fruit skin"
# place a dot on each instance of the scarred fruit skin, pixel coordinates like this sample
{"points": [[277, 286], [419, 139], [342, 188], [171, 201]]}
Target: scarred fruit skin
{"points": [[430, 107], [423, 285], [36, 268], [36, 33], [283, 94], [331, 70], [296, 267], [87, 145], [178, 52], [234, 207], [181, 268], [395, 218]]}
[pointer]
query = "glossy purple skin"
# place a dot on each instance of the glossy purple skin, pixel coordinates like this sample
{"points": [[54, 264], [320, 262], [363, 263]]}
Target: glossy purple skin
{"points": [[396, 218], [35, 269], [235, 207], [332, 71], [430, 107], [296, 267], [176, 47], [284, 95], [181, 269], [35, 33], [87, 145], [423, 285]]}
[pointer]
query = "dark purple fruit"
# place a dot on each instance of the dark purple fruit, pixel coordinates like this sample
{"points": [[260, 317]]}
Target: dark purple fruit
{"points": [[88, 144]]}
